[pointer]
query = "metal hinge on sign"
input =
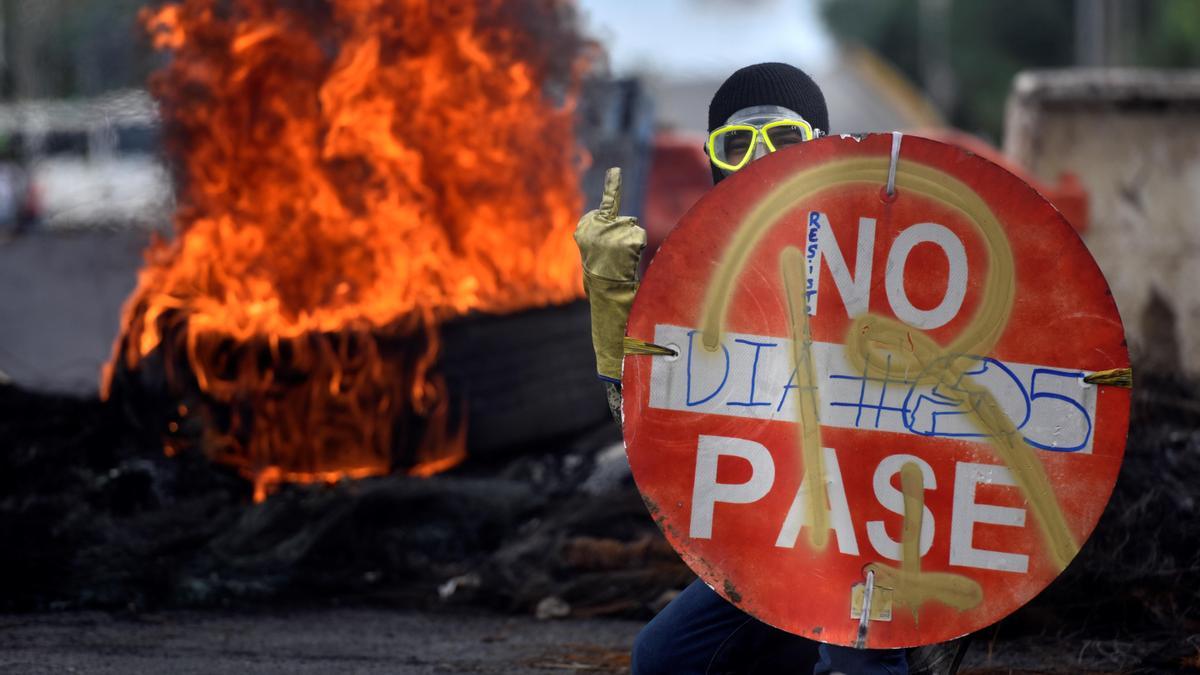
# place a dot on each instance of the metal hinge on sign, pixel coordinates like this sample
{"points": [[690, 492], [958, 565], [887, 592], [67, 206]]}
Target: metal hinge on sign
{"points": [[642, 347], [881, 602], [868, 603]]}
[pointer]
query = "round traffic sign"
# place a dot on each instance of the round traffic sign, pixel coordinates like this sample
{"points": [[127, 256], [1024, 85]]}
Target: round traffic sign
{"points": [[895, 386]]}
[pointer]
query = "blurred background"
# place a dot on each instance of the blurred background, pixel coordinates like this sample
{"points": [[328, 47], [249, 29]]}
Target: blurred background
{"points": [[80, 146], [147, 469]]}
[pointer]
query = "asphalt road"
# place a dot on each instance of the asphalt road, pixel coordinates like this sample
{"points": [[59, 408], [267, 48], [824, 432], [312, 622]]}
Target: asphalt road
{"points": [[311, 641], [60, 304], [406, 642]]}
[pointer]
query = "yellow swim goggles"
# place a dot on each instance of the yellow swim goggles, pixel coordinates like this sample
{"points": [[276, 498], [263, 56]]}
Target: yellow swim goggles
{"points": [[732, 146]]}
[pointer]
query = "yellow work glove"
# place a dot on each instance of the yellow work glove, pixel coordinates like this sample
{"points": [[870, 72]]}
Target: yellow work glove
{"points": [[610, 246]]}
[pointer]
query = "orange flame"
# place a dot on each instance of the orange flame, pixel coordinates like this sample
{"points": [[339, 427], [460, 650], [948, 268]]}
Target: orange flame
{"points": [[351, 170]]}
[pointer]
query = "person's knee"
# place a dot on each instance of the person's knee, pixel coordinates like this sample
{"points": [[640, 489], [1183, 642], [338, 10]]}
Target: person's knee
{"points": [[651, 652], [848, 661]]}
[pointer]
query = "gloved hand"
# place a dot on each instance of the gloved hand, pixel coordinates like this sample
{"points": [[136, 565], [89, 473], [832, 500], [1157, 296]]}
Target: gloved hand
{"points": [[610, 246]]}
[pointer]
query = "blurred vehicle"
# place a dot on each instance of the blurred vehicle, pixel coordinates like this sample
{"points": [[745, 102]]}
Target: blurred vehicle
{"points": [[18, 199], [88, 162]]}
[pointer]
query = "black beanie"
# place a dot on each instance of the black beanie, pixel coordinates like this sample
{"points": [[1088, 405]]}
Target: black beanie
{"points": [[768, 84]]}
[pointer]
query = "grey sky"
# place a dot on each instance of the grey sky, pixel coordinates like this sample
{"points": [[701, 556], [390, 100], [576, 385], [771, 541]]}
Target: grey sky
{"points": [[688, 39]]}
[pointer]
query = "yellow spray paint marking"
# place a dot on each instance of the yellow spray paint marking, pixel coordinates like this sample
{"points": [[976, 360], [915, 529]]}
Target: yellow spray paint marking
{"points": [[912, 587], [872, 338], [808, 406], [985, 413]]}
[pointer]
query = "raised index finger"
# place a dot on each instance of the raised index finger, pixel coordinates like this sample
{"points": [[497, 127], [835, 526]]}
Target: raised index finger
{"points": [[610, 202]]}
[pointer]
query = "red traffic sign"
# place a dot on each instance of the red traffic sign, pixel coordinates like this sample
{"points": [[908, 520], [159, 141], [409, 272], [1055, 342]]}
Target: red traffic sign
{"points": [[899, 387]]}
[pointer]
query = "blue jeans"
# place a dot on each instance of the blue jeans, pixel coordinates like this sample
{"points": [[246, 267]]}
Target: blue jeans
{"points": [[700, 633]]}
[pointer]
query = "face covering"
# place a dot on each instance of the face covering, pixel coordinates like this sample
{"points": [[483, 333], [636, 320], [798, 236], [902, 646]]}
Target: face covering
{"points": [[753, 132]]}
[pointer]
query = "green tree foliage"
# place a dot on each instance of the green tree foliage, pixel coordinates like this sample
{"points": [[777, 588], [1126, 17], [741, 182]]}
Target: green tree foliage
{"points": [[63, 48], [1172, 34], [990, 41]]}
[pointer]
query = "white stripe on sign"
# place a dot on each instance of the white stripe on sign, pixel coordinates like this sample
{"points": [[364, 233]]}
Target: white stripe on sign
{"points": [[752, 376]]}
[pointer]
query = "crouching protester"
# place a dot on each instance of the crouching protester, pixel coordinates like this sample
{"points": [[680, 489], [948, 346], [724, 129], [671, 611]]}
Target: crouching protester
{"points": [[758, 110]]}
